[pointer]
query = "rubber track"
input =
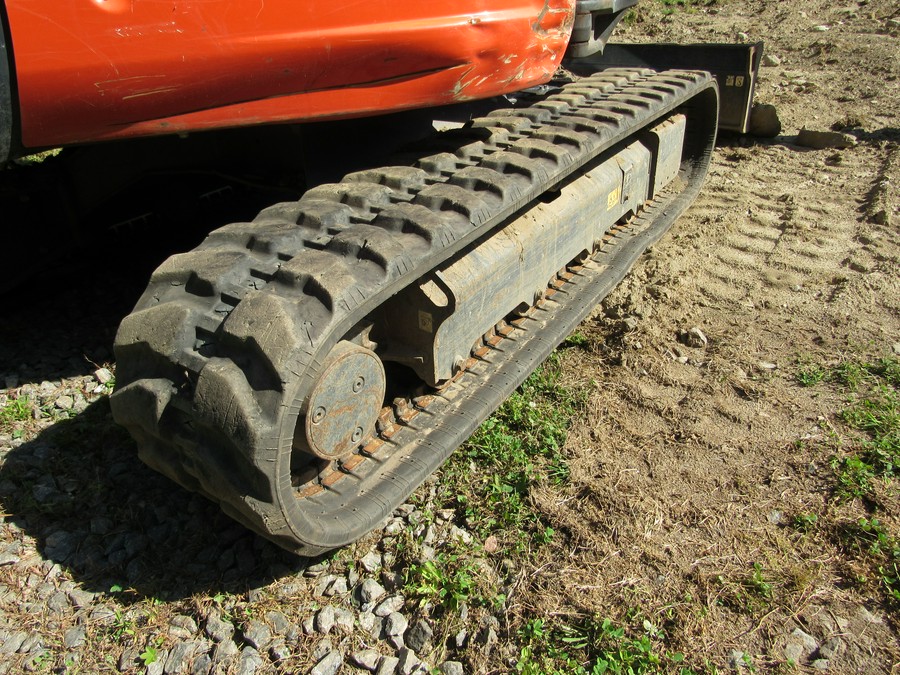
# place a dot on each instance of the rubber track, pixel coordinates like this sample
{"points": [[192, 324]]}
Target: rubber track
{"points": [[214, 363]]}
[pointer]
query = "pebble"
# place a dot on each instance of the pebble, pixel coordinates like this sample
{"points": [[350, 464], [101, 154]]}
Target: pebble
{"points": [[367, 659], [329, 665], [344, 619], [217, 629], [395, 624], [325, 620], [371, 624], [31, 643], [250, 661], [59, 546], [408, 662], [820, 140], [65, 402], [388, 666], [223, 651], [323, 584], [771, 60], [322, 649], [179, 657], [800, 646], [257, 634], [58, 603], [202, 665], [279, 651], [459, 535], [158, 666], [419, 636], [389, 605], [82, 599], [821, 664], [279, 622], [831, 648], [339, 587], [13, 643], [370, 591], [317, 569], [867, 616], [764, 121], [371, 562], [129, 658], [74, 637], [452, 668], [394, 527], [693, 337]]}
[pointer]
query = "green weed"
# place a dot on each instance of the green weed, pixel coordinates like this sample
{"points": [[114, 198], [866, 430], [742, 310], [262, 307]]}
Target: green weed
{"points": [[576, 339], [757, 582], [593, 647], [449, 580], [805, 522], [809, 376], [875, 411], [884, 550], [877, 414], [149, 655], [518, 447], [15, 410]]}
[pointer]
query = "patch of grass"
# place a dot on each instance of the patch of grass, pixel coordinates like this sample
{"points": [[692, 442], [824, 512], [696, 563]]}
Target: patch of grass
{"points": [[15, 410], [883, 550], [593, 646], [877, 414], [805, 522], [449, 580], [875, 410], [810, 375], [758, 583], [752, 590], [515, 449], [576, 339]]}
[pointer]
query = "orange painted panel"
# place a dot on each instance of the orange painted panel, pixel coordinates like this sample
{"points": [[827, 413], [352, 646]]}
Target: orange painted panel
{"points": [[103, 69]]}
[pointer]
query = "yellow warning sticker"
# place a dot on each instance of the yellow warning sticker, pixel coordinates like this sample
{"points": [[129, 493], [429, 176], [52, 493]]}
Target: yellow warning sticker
{"points": [[425, 322], [613, 199]]}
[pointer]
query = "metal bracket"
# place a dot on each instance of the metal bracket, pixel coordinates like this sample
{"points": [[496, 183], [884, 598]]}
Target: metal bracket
{"points": [[735, 67], [594, 23]]}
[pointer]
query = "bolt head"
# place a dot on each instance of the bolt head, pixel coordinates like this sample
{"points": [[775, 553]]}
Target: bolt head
{"points": [[318, 414]]}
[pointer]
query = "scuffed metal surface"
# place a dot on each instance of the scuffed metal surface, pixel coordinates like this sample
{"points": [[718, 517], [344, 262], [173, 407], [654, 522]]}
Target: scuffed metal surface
{"points": [[100, 70]]}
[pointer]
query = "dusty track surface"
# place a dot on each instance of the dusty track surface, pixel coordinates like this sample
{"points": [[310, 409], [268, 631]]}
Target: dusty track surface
{"points": [[691, 465]]}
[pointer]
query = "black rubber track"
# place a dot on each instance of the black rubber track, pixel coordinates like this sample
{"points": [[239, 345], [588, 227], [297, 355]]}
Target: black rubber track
{"points": [[215, 362]]}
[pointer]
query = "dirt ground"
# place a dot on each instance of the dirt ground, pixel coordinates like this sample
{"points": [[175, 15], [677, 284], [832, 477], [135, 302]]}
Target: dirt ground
{"points": [[696, 456], [692, 459]]}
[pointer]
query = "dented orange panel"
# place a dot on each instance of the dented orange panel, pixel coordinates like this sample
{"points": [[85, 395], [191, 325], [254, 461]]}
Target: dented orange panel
{"points": [[103, 69]]}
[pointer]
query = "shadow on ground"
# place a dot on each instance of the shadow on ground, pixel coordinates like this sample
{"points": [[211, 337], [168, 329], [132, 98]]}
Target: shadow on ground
{"points": [[80, 491]]}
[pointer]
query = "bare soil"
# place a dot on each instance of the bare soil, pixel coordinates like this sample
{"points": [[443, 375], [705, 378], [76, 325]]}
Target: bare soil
{"points": [[693, 460], [691, 465]]}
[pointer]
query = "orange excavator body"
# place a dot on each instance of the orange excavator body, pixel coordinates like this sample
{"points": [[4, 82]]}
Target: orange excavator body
{"points": [[107, 69]]}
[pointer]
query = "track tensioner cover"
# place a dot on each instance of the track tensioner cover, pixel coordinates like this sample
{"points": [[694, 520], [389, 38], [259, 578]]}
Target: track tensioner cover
{"points": [[344, 404]]}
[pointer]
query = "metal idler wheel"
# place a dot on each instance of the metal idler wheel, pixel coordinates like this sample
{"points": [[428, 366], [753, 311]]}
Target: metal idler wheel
{"points": [[344, 403]]}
